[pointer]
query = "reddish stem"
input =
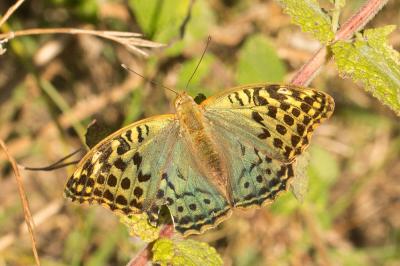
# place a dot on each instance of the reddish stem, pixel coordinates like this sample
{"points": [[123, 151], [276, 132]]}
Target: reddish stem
{"points": [[309, 70], [360, 19]]}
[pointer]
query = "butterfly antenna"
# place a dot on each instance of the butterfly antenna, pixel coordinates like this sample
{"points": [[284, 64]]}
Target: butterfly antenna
{"points": [[148, 80], [198, 64]]}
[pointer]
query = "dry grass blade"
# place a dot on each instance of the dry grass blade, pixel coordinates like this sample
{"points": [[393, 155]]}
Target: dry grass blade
{"points": [[130, 40], [10, 11], [25, 205]]}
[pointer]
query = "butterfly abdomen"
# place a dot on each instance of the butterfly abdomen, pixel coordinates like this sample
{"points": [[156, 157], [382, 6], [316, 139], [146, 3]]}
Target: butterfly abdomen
{"points": [[207, 154]]}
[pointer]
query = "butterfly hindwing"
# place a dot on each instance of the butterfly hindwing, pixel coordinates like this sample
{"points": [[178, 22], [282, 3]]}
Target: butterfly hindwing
{"points": [[277, 119], [195, 204], [120, 172], [256, 178]]}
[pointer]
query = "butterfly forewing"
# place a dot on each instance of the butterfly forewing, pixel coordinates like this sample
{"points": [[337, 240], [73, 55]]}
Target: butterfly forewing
{"points": [[277, 119], [122, 171]]}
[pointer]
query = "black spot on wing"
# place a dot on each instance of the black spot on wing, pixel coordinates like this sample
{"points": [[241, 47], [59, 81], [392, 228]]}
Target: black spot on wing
{"points": [[138, 192], [248, 94], [273, 93], [230, 99], [258, 99], [272, 110], [105, 154], [128, 135], [237, 97], [123, 146], [278, 143], [112, 180], [281, 129], [258, 118], [125, 183], [143, 177], [295, 112], [265, 134], [137, 160], [121, 200], [120, 164], [285, 106], [139, 131]]}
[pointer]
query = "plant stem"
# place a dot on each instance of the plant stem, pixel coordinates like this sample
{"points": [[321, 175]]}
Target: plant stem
{"points": [[307, 72], [24, 201], [130, 40], [10, 11]]}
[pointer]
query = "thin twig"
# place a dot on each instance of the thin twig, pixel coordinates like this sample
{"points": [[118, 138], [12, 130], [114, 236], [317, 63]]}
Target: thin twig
{"points": [[10, 11], [308, 71], [24, 201], [130, 40]]}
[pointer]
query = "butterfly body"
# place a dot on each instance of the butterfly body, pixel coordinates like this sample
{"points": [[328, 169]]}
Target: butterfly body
{"points": [[196, 131], [234, 150]]}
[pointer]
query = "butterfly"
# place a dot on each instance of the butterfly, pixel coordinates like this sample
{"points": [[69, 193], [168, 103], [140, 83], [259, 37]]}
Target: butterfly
{"points": [[236, 149]]}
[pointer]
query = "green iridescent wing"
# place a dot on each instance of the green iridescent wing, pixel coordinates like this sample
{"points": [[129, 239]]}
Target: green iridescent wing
{"points": [[122, 171], [263, 128], [256, 178], [277, 119], [194, 203]]}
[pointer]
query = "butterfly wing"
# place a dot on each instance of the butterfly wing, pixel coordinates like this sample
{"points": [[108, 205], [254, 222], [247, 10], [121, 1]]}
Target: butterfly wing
{"points": [[195, 204], [256, 178], [144, 166], [278, 119], [122, 171]]}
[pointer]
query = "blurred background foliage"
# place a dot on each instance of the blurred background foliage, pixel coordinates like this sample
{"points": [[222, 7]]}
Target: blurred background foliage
{"points": [[52, 86]]}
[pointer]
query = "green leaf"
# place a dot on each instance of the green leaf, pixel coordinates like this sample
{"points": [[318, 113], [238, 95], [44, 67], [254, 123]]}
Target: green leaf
{"points": [[162, 21], [184, 252], [371, 60], [310, 17], [138, 225], [258, 62]]}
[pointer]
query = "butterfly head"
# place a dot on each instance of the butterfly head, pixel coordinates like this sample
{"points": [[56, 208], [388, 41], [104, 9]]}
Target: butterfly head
{"points": [[183, 99]]}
